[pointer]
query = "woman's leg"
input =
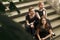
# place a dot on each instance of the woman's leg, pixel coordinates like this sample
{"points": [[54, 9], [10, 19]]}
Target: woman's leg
{"points": [[33, 31], [28, 29]]}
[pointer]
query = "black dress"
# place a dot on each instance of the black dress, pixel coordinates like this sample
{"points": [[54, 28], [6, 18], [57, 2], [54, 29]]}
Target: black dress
{"points": [[40, 12], [44, 32], [35, 20]]}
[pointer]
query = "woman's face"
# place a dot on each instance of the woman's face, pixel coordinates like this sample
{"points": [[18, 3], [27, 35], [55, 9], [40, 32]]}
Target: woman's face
{"points": [[43, 21], [41, 5], [32, 11]]}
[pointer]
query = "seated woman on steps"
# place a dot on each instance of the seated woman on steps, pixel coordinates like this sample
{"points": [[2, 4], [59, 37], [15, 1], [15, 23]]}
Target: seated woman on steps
{"points": [[41, 10], [43, 31], [32, 20]]}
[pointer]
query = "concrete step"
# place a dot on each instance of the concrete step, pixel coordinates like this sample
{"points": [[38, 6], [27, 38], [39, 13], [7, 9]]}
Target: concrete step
{"points": [[53, 17], [19, 19], [22, 18], [55, 23], [57, 33], [26, 4], [15, 14], [7, 3], [58, 38], [15, 2], [21, 5]]}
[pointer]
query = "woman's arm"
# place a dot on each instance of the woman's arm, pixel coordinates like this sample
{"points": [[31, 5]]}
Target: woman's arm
{"points": [[38, 15], [27, 22], [38, 34], [48, 35], [31, 24], [44, 13]]}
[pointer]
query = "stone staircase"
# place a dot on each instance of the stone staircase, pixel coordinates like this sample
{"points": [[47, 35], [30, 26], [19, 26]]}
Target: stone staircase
{"points": [[58, 38], [52, 15]]}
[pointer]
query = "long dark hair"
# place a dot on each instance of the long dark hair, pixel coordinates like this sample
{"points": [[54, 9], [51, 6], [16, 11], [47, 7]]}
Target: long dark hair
{"points": [[46, 25]]}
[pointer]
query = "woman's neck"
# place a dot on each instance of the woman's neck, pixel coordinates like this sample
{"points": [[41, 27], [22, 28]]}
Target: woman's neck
{"points": [[43, 25], [41, 9]]}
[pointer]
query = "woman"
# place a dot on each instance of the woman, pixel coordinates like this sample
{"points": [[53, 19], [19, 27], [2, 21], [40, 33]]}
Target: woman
{"points": [[32, 20], [43, 31], [42, 10]]}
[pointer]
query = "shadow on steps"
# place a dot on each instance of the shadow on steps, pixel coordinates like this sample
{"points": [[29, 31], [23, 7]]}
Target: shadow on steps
{"points": [[12, 31]]}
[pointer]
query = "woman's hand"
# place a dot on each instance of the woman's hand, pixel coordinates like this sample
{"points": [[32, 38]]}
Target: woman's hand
{"points": [[28, 24], [39, 39], [32, 26], [43, 38], [31, 23]]}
